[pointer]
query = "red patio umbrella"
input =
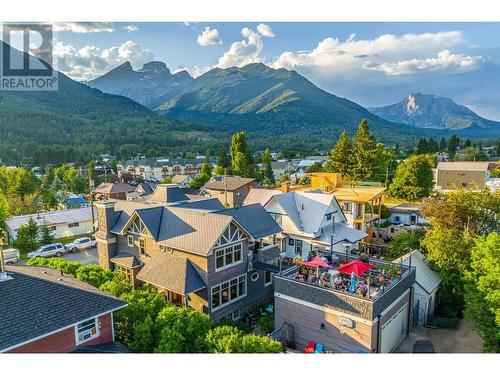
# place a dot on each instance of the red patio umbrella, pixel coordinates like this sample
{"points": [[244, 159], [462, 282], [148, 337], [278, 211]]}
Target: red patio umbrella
{"points": [[356, 266], [317, 262]]}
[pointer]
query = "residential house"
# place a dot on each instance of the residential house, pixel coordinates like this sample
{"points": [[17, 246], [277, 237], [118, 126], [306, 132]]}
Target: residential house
{"points": [[158, 168], [281, 168], [362, 205], [75, 201], [404, 217], [182, 180], [311, 221], [376, 321], [427, 285], [142, 191], [230, 190], [461, 174], [64, 223], [194, 252], [45, 312], [113, 190]]}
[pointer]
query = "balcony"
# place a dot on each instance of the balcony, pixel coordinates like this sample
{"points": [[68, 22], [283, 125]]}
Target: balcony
{"points": [[267, 258], [378, 297]]}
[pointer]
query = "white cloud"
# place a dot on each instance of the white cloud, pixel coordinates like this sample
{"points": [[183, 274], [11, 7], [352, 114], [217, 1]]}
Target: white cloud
{"points": [[266, 30], [209, 37], [244, 52], [130, 28], [90, 62], [84, 27], [387, 53], [445, 60]]}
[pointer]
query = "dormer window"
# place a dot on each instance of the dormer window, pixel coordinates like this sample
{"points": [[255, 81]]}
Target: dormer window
{"points": [[328, 217]]}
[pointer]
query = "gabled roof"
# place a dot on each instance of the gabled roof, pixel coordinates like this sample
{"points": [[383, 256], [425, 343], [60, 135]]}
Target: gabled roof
{"points": [[428, 279], [38, 301], [148, 187], [230, 183], [179, 178], [173, 273], [255, 219], [204, 204], [167, 193], [261, 196], [126, 260], [114, 188], [305, 209], [341, 233]]}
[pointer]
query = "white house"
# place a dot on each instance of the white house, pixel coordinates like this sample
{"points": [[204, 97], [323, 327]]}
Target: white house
{"points": [[427, 284], [64, 223], [311, 221], [182, 180], [406, 214]]}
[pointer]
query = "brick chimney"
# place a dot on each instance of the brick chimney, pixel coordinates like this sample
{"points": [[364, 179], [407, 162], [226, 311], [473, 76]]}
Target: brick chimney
{"points": [[285, 187]]}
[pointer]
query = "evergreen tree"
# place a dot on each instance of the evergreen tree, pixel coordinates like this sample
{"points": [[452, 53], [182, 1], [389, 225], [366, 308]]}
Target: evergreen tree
{"points": [[453, 144], [240, 163], [224, 160], [364, 154], [467, 143], [268, 177], [27, 236], [339, 159], [46, 235], [422, 147], [432, 145], [442, 144]]}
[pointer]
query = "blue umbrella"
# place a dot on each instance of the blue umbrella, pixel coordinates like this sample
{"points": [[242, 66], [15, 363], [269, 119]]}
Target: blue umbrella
{"points": [[352, 287]]}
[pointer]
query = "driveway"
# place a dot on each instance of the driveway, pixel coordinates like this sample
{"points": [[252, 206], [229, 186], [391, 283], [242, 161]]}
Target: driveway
{"points": [[88, 256], [460, 340]]}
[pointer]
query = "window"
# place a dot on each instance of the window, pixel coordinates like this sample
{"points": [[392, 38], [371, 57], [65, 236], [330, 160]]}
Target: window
{"points": [[142, 246], [254, 276], [328, 217], [228, 256], [276, 217], [397, 218], [53, 228], [347, 207], [268, 278], [291, 242], [130, 240], [298, 247], [87, 330], [73, 225], [126, 272], [229, 291]]}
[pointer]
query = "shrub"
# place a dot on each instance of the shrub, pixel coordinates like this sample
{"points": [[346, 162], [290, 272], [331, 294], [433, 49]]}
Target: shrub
{"points": [[257, 344], [117, 286], [94, 275], [266, 323], [241, 325], [222, 339]]}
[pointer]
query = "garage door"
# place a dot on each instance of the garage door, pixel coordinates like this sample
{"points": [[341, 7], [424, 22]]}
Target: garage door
{"points": [[394, 331]]}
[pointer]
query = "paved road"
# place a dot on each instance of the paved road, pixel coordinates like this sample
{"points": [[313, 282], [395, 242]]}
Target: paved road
{"points": [[84, 256]]}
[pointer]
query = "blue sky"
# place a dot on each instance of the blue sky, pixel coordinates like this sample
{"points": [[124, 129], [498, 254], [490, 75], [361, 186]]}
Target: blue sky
{"points": [[371, 63]]}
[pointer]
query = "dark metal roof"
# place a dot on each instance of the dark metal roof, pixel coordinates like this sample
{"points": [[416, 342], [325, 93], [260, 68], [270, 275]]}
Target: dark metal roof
{"points": [[211, 204], [173, 273], [126, 260], [38, 301], [255, 219]]}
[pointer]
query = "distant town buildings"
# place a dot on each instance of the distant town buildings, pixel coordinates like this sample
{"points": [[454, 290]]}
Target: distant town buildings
{"points": [[158, 168]]}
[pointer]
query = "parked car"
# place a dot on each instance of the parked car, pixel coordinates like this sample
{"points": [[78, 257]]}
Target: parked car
{"points": [[11, 255], [423, 346], [81, 244], [46, 251]]}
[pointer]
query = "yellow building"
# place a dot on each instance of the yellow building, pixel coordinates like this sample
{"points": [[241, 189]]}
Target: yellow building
{"points": [[353, 199]]}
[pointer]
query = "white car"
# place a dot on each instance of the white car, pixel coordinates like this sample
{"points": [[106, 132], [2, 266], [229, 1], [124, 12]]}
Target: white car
{"points": [[11, 255], [81, 244], [46, 251]]}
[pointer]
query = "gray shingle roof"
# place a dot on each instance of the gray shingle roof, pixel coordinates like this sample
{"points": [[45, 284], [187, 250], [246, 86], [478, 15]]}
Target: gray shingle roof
{"points": [[255, 219], [173, 273], [229, 182], [179, 178], [425, 276], [167, 193], [38, 301], [126, 260]]}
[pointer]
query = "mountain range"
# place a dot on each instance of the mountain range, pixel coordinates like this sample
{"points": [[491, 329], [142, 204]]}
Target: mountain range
{"points": [[435, 112]]}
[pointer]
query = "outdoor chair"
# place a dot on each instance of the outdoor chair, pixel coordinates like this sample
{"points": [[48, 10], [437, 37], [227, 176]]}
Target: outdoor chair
{"points": [[319, 348]]}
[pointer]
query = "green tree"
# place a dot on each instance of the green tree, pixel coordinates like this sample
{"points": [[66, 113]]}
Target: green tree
{"points": [[413, 179], [317, 166], [422, 147], [224, 160], [442, 144], [453, 144], [340, 157], [222, 339], [482, 290], [27, 236], [218, 170], [240, 156], [166, 180], [182, 330], [46, 234], [364, 154], [403, 243], [94, 275], [4, 214], [268, 176], [203, 178]]}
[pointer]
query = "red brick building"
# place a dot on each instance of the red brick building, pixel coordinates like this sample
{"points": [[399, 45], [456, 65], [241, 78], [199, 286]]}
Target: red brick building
{"points": [[44, 312]]}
